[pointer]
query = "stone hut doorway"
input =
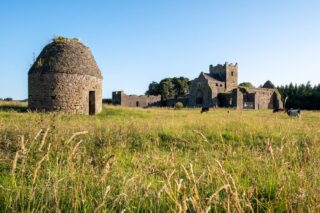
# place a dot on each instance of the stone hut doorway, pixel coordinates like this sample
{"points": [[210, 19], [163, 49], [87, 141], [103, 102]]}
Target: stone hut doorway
{"points": [[92, 102], [137, 104]]}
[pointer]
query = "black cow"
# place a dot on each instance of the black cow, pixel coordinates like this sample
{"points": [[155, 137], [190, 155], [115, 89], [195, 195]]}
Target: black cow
{"points": [[204, 109]]}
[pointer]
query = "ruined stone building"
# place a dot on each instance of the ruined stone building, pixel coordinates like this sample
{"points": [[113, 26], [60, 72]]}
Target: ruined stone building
{"points": [[65, 77], [120, 98], [217, 88], [220, 88], [206, 88]]}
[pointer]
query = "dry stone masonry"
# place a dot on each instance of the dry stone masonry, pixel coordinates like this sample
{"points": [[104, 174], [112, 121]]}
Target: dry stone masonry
{"points": [[65, 77]]}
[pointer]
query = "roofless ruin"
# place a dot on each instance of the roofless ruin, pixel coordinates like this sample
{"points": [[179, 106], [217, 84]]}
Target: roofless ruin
{"points": [[218, 88]]}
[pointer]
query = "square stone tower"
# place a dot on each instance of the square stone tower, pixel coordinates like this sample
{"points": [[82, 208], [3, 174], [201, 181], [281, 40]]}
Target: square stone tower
{"points": [[227, 73], [231, 76]]}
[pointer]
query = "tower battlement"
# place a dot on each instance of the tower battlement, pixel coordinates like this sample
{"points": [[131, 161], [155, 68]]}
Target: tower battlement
{"points": [[227, 73]]}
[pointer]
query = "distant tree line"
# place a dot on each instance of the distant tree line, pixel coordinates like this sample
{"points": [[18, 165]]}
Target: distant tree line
{"points": [[170, 88], [6, 99], [107, 100], [303, 96]]}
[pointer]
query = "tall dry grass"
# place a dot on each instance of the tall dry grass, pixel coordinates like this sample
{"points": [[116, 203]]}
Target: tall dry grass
{"points": [[159, 160]]}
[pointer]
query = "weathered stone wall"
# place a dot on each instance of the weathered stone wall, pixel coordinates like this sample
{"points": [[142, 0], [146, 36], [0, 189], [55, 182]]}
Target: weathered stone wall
{"points": [[256, 98], [172, 102], [120, 98], [216, 88], [264, 100], [207, 89], [63, 92], [237, 98], [200, 89], [231, 76]]}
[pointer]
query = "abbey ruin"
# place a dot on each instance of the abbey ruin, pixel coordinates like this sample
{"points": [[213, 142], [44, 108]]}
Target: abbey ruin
{"points": [[217, 88]]}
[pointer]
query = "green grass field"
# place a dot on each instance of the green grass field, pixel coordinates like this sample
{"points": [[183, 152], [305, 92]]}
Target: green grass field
{"points": [[159, 160]]}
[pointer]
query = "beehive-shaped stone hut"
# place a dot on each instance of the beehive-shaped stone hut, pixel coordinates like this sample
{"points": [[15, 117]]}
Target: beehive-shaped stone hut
{"points": [[65, 77]]}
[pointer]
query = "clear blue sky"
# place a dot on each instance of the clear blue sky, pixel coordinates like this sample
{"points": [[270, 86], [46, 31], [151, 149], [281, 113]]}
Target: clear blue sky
{"points": [[135, 42]]}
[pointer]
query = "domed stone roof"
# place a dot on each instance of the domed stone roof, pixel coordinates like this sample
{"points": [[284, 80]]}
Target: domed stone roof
{"points": [[64, 55]]}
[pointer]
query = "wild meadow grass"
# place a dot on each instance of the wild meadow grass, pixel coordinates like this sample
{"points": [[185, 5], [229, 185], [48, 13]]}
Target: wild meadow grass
{"points": [[159, 160]]}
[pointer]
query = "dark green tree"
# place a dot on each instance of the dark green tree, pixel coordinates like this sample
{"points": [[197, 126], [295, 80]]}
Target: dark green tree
{"points": [[268, 84], [166, 89], [153, 89], [8, 99], [170, 88], [181, 86]]}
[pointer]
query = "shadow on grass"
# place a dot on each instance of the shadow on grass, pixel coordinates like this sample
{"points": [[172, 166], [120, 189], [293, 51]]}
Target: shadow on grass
{"points": [[13, 108]]}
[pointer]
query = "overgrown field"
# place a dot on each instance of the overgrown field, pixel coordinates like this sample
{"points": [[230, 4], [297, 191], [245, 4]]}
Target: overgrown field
{"points": [[159, 160]]}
